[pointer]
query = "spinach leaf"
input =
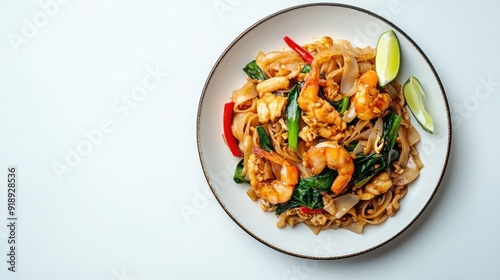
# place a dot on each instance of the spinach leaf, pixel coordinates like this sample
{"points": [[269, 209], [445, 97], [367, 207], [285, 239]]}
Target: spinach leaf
{"points": [[264, 140], [322, 181], [238, 177], [254, 72], [390, 133], [308, 192], [306, 69], [367, 166]]}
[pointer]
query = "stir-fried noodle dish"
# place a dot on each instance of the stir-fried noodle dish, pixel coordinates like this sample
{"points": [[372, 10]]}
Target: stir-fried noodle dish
{"points": [[320, 141]]}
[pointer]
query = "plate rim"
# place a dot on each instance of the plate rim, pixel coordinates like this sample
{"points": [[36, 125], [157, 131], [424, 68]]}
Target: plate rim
{"points": [[427, 61]]}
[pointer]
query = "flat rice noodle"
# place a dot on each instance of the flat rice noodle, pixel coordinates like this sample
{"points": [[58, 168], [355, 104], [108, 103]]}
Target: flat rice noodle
{"points": [[373, 210], [342, 44], [366, 53], [335, 75], [405, 147], [243, 95], [354, 227], [246, 146], [315, 229], [329, 205], [329, 66], [411, 173], [416, 157], [344, 203], [364, 67], [325, 56], [289, 66], [242, 123], [238, 125], [412, 134], [265, 60]]}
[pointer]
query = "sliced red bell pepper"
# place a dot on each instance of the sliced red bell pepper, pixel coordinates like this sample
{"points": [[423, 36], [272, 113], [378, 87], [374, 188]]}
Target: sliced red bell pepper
{"points": [[231, 141], [307, 210], [305, 55]]}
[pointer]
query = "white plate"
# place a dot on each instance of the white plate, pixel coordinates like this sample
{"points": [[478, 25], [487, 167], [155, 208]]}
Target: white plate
{"points": [[306, 23]]}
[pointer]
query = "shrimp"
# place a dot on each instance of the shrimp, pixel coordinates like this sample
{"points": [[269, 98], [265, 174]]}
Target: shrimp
{"points": [[368, 102], [331, 89], [317, 111], [334, 156], [378, 185], [273, 191]]}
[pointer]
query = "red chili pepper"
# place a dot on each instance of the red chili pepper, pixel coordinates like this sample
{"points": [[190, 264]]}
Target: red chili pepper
{"points": [[228, 134], [307, 210], [305, 55]]}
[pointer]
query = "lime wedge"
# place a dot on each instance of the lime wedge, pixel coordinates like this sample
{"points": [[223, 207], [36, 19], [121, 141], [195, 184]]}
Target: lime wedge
{"points": [[415, 98], [387, 58]]}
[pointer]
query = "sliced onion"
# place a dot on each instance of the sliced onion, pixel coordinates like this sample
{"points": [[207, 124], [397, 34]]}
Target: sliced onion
{"points": [[359, 147], [344, 203], [375, 134], [350, 114], [357, 134], [351, 71], [391, 91]]}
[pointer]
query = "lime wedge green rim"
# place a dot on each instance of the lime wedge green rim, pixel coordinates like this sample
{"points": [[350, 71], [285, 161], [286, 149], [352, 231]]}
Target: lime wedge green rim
{"points": [[387, 57], [417, 102]]}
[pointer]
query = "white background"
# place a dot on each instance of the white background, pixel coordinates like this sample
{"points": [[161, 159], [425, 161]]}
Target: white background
{"points": [[136, 204]]}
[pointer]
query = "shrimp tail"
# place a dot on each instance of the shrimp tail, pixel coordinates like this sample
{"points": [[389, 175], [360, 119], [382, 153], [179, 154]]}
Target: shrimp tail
{"points": [[340, 183], [289, 173], [272, 156]]}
